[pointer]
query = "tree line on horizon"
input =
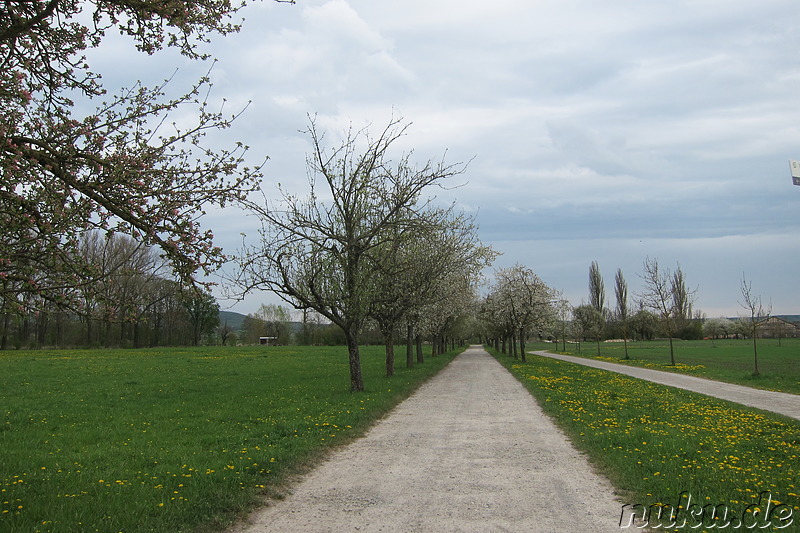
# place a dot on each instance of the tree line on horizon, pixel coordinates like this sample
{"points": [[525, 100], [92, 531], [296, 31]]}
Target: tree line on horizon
{"points": [[133, 301]]}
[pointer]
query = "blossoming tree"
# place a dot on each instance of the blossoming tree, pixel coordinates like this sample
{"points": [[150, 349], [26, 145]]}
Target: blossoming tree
{"points": [[127, 166]]}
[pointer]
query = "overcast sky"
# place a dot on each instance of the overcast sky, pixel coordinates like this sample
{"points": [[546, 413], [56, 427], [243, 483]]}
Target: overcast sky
{"points": [[608, 131]]}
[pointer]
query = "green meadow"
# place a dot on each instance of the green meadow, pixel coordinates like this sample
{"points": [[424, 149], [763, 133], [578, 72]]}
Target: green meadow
{"points": [[662, 446], [189, 439], [727, 360], [172, 440]]}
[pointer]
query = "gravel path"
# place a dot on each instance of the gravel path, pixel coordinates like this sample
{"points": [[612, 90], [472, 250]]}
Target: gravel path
{"points": [[778, 402], [470, 451]]}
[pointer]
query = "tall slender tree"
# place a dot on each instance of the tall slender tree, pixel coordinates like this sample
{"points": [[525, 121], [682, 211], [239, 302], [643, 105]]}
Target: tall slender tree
{"points": [[597, 299], [682, 299], [621, 292]]}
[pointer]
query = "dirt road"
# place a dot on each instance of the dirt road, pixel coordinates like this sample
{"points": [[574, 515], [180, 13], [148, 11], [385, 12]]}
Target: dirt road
{"points": [[470, 451]]}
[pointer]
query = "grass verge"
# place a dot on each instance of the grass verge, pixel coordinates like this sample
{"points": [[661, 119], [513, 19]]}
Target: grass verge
{"points": [[726, 360], [660, 445], [174, 440]]}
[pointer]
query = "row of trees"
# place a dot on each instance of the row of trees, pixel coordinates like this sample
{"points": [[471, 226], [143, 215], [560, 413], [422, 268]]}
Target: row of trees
{"points": [[669, 302], [312, 329], [519, 305], [277, 323], [742, 328], [366, 245], [665, 306], [133, 300]]}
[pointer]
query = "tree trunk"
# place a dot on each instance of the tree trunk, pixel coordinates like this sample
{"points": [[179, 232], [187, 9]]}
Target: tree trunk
{"points": [[522, 345], [42, 325], [436, 348], [420, 353], [136, 334], [388, 341], [410, 346], [24, 332], [107, 335], [755, 350], [6, 328], [60, 340], [123, 333], [356, 380]]}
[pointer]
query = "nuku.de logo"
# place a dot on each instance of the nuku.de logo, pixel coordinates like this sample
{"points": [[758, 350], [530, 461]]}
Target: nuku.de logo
{"points": [[765, 513]]}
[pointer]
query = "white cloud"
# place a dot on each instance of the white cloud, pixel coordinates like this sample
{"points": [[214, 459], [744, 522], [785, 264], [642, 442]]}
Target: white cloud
{"points": [[337, 23]]}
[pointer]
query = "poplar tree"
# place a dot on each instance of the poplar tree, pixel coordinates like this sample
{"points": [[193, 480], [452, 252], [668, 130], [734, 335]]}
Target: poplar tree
{"points": [[597, 299], [621, 292]]}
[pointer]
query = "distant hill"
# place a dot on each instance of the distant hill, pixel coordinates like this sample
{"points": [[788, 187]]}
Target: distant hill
{"points": [[234, 320]]}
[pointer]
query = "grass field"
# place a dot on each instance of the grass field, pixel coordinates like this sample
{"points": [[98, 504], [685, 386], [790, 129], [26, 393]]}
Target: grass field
{"points": [[171, 440], [723, 360], [661, 445]]}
